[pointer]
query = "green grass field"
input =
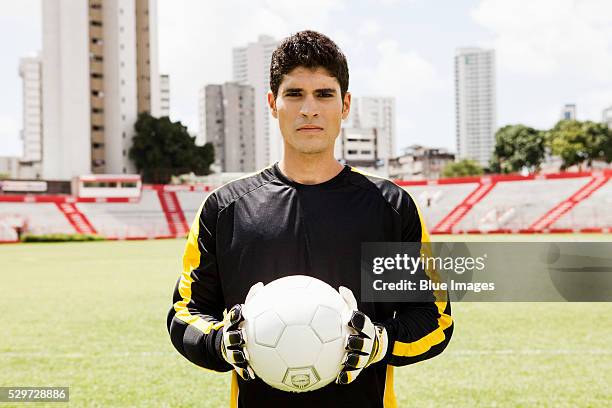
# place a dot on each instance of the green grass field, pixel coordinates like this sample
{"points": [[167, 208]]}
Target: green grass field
{"points": [[92, 316]]}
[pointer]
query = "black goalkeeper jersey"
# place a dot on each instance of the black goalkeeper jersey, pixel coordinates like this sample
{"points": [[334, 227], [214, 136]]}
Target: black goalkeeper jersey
{"points": [[266, 226]]}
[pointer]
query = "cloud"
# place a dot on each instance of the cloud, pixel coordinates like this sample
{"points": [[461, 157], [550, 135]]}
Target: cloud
{"points": [[406, 75], [550, 36], [370, 28]]}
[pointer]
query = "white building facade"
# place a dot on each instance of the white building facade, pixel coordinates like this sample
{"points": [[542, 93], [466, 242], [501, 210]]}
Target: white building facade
{"points": [[607, 116], [378, 113], [251, 66], [475, 98], [30, 71], [164, 95], [568, 112], [230, 126], [100, 71]]}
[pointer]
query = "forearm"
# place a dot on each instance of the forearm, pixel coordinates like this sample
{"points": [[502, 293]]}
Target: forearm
{"points": [[418, 332], [200, 347]]}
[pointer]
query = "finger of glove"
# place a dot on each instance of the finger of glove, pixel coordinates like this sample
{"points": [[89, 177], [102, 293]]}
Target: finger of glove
{"points": [[233, 338], [355, 360], [245, 373], [359, 344], [348, 296], [254, 289], [362, 324], [347, 376], [234, 317], [236, 358]]}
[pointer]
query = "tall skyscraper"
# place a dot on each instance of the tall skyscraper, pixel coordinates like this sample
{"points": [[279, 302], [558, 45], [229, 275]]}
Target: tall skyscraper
{"points": [[377, 113], [100, 71], [164, 95], [230, 125], [251, 66], [30, 71], [475, 104], [568, 112], [607, 116]]}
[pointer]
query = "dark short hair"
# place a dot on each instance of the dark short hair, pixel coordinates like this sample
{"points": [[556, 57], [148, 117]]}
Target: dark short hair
{"points": [[308, 49]]}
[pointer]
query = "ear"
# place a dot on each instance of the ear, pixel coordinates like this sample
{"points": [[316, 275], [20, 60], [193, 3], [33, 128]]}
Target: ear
{"points": [[272, 104], [346, 105]]}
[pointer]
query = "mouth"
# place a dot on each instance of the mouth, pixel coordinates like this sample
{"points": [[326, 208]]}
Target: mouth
{"points": [[310, 128]]}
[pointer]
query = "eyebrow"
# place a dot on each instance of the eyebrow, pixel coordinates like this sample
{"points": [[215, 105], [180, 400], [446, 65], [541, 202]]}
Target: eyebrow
{"points": [[322, 90]]}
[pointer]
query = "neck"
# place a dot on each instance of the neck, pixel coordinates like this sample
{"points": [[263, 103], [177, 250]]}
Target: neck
{"points": [[309, 168]]}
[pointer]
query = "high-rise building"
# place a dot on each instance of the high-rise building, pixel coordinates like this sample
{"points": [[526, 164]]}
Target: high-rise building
{"points": [[568, 112], [418, 162], [230, 125], [99, 71], [251, 66], [377, 113], [30, 71], [164, 95], [201, 137], [475, 104], [607, 116], [358, 147]]}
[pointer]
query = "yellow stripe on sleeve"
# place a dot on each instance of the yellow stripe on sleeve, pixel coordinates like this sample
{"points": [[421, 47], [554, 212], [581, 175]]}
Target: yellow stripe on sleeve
{"points": [[437, 336], [191, 260]]}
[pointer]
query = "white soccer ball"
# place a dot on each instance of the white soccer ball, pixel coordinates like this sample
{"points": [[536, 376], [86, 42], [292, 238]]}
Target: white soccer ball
{"points": [[295, 333]]}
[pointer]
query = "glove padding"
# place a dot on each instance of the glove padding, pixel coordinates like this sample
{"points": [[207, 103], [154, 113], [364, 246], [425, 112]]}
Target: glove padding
{"points": [[234, 338], [365, 346]]}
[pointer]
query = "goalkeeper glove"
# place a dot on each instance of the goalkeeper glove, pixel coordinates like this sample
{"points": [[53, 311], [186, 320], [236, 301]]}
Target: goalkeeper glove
{"points": [[365, 346], [234, 340]]}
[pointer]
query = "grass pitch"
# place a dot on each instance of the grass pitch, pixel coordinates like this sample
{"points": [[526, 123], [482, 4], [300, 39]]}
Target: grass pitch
{"points": [[92, 316]]}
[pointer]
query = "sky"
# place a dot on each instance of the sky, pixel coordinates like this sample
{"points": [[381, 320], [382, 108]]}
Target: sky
{"points": [[548, 53]]}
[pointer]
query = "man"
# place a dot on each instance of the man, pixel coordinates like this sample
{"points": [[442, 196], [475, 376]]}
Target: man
{"points": [[307, 215]]}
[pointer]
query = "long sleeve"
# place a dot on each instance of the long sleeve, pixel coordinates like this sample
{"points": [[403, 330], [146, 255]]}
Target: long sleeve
{"points": [[194, 320], [418, 331]]}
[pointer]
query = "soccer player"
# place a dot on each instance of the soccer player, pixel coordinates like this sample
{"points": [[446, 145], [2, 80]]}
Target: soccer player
{"points": [[307, 214]]}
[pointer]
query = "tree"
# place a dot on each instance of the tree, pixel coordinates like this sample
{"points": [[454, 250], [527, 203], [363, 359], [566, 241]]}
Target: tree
{"points": [[518, 147], [161, 149], [598, 142], [567, 141], [461, 168]]}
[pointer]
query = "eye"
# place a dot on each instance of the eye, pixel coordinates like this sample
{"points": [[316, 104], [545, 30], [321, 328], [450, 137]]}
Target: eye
{"points": [[292, 94]]}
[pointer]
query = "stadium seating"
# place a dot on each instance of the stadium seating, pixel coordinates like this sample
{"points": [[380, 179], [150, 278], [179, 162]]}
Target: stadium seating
{"points": [[190, 203], [144, 218], [579, 202], [529, 200], [41, 218], [593, 212], [442, 199]]}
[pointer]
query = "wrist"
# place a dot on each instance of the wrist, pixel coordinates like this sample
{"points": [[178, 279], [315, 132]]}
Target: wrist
{"points": [[381, 344]]}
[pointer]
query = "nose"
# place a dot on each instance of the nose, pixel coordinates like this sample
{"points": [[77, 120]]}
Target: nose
{"points": [[310, 107]]}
